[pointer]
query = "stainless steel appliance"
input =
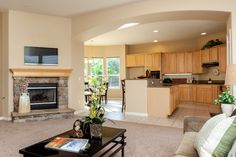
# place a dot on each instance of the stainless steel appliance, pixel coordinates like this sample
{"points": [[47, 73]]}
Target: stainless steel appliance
{"points": [[155, 74]]}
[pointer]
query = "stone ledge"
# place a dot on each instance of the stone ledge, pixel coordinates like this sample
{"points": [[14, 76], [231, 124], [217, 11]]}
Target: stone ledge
{"points": [[37, 115]]}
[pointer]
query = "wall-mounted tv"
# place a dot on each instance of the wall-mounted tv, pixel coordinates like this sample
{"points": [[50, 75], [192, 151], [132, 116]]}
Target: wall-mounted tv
{"points": [[40, 55]]}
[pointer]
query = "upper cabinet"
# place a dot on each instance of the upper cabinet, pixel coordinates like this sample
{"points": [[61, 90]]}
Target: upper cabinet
{"points": [[222, 58], [180, 62], [197, 63], [168, 63], [210, 55], [188, 62], [135, 60], [153, 61]]}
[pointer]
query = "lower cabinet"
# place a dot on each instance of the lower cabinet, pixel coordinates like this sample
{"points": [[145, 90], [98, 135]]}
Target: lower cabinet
{"points": [[174, 99], [205, 94]]}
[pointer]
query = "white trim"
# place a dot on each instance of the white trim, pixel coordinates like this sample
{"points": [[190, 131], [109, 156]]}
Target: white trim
{"points": [[136, 114], [6, 118]]}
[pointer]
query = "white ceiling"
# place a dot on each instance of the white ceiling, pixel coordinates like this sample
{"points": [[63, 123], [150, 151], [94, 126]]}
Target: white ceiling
{"points": [[61, 7], [168, 31]]}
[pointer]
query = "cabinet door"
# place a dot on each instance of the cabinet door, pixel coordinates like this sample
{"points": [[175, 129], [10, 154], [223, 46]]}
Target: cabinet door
{"points": [[215, 92], [165, 67], [194, 93], [130, 60], [204, 94], [213, 54], [180, 63], [153, 61], [205, 55], [197, 63], [156, 64], [185, 92], [222, 58], [140, 60], [148, 61], [172, 62], [188, 62]]}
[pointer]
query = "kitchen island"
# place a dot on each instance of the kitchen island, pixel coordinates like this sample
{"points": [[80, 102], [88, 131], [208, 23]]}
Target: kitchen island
{"points": [[156, 100]]}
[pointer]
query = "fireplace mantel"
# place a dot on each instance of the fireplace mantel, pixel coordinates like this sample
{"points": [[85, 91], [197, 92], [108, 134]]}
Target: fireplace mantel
{"points": [[37, 72]]}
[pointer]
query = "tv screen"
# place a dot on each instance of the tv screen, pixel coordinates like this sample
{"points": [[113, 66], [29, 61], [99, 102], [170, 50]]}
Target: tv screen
{"points": [[40, 55]]}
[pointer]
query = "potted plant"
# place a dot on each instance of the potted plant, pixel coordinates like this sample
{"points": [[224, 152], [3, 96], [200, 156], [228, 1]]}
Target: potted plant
{"points": [[96, 116], [227, 100]]}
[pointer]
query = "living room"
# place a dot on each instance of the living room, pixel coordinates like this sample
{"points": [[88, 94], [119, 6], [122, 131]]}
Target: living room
{"points": [[37, 26]]}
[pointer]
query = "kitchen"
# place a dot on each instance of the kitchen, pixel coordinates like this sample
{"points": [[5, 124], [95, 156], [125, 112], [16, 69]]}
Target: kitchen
{"points": [[174, 78]]}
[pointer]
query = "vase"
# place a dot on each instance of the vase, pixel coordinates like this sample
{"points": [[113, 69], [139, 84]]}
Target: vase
{"points": [[24, 103], [227, 109], [96, 131]]}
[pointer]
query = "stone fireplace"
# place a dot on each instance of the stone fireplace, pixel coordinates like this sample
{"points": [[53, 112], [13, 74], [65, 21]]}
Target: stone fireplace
{"points": [[47, 88]]}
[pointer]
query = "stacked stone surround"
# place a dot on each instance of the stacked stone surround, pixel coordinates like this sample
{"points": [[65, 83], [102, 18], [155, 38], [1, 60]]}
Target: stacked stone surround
{"points": [[20, 85]]}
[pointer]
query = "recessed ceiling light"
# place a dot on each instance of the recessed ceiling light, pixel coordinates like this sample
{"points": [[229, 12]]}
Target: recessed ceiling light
{"points": [[155, 31], [155, 41], [203, 33], [127, 25]]}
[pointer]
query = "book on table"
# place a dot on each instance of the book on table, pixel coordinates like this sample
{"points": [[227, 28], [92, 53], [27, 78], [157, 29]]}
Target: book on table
{"points": [[68, 144]]}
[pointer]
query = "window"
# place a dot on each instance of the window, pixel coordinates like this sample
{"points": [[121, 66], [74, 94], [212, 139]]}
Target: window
{"points": [[93, 67], [113, 72]]}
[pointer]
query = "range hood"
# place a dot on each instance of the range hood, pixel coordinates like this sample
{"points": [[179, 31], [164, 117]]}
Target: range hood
{"points": [[210, 64]]}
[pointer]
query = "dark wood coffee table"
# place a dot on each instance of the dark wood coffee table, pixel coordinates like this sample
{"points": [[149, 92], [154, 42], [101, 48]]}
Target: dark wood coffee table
{"points": [[113, 141]]}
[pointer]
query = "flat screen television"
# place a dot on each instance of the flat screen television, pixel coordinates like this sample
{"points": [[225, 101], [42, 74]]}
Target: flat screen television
{"points": [[40, 55]]}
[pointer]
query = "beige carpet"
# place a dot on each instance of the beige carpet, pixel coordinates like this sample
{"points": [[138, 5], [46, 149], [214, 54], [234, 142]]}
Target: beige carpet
{"points": [[142, 140]]}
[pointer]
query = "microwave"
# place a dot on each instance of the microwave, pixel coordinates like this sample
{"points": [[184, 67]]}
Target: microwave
{"points": [[155, 74]]}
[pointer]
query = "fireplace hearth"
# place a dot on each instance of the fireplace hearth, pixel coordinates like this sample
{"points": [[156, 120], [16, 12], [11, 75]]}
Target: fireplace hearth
{"points": [[43, 95]]}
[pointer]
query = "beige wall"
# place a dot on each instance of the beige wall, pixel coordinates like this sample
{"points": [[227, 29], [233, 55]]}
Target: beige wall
{"points": [[5, 65], [28, 29], [170, 46], [1, 56], [109, 51]]}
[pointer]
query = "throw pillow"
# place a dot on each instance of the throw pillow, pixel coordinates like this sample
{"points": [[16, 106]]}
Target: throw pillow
{"points": [[232, 152], [205, 131], [220, 140]]}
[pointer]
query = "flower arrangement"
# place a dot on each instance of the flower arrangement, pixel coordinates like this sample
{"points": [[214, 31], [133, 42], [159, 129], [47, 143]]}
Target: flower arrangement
{"points": [[96, 113], [225, 98]]}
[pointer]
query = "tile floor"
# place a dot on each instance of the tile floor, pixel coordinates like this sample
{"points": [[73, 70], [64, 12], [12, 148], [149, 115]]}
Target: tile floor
{"points": [[113, 111]]}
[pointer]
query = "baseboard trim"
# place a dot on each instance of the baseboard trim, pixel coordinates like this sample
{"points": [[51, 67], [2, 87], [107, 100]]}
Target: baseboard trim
{"points": [[6, 118], [136, 114], [78, 112]]}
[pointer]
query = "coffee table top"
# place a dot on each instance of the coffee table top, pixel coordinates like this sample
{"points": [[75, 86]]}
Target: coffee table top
{"points": [[108, 135]]}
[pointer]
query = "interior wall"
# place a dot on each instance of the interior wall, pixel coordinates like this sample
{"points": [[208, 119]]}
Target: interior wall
{"points": [[109, 51], [28, 29], [1, 55]]}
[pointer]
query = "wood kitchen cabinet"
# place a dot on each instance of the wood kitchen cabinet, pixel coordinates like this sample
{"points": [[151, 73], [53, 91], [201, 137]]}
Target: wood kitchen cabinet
{"points": [[185, 92], [210, 55], [174, 99], [188, 62], [153, 61], [180, 62], [204, 94], [165, 68], [135, 60], [222, 58], [197, 63], [172, 62]]}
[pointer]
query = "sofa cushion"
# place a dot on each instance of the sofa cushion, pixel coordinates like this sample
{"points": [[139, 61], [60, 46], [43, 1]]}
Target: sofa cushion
{"points": [[220, 139], [205, 131], [232, 152], [186, 147]]}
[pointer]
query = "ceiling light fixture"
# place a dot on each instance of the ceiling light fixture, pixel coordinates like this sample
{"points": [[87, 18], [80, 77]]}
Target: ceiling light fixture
{"points": [[155, 31], [203, 33], [155, 41], [127, 25]]}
